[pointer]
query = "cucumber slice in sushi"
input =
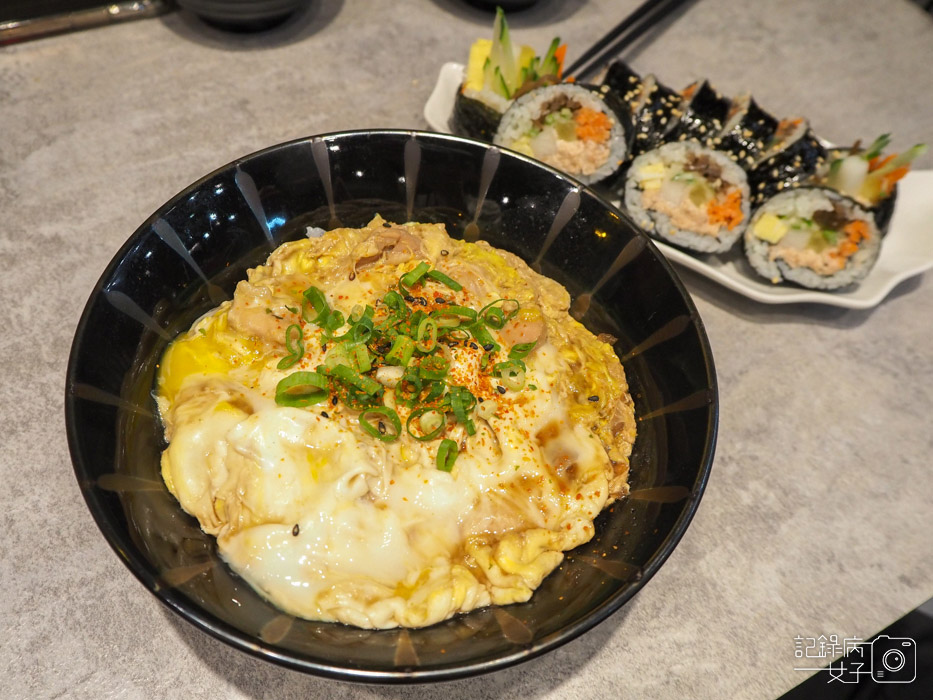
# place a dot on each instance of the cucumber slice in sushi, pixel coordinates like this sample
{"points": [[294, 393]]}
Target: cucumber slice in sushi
{"points": [[582, 131], [813, 237], [688, 195]]}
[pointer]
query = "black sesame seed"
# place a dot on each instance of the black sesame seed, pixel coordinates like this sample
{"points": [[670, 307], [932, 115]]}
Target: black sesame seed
{"points": [[488, 347], [440, 300], [334, 401], [324, 414], [420, 301], [382, 427], [409, 298], [352, 276], [444, 252], [474, 346], [323, 347], [386, 224], [296, 530], [500, 389], [593, 398]]}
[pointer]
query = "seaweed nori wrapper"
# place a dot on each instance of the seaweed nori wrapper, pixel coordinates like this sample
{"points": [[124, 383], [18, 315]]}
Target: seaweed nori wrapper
{"points": [[703, 115], [747, 131], [658, 111], [474, 118], [626, 83], [793, 165]]}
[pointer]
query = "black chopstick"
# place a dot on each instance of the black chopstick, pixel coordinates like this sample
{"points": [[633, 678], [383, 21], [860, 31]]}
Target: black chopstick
{"points": [[620, 36]]}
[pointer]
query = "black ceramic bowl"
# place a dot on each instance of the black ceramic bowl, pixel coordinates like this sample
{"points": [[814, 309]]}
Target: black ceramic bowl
{"points": [[190, 254]]}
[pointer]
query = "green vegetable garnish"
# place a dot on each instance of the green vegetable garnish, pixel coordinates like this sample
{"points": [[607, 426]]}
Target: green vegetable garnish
{"points": [[447, 454], [294, 344], [301, 389], [380, 430]]}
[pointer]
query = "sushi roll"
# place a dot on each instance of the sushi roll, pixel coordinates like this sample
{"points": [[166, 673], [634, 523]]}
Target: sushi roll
{"points": [[813, 237], [703, 113], [689, 195], [657, 110], [869, 176], [747, 130], [792, 158], [626, 83], [581, 131], [497, 73]]}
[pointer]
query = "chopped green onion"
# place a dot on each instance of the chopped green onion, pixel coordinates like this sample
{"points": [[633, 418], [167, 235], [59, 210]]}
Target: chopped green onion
{"points": [[444, 279], [431, 421], [351, 377], [512, 373], [435, 391], [458, 395], [447, 454], [380, 431], [301, 389], [396, 303], [434, 367], [426, 335], [294, 343], [521, 350], [314, 298], [356, 399], [333, 321], [412, 277], [401, 351], [408, 389], [453, 316], [496, 317], [483, 337], [362, 358]]}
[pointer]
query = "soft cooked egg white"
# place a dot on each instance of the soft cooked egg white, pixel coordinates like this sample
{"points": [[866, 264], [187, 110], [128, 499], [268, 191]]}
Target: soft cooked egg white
{"points": [[330, 523]]}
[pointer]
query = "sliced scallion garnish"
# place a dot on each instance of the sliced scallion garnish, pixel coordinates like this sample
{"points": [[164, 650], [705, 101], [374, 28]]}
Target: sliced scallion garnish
{"points": [[447, 453], [301, 389], [294, 344], [381, 431]]}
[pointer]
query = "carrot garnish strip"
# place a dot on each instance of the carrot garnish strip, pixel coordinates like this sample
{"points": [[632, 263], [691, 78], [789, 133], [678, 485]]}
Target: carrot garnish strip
{"points": [[877, 162], [559, 54], [728, 212], [592, 125]]}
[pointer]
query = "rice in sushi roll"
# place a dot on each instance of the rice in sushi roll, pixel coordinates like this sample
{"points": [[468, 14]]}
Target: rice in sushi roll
{"points": [[689, 195], [814, 237], [583, 132]]}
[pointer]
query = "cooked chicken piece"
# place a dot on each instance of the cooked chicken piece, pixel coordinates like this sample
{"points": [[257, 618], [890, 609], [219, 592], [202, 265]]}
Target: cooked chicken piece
{"points": [[261, 314], [395, 244]]}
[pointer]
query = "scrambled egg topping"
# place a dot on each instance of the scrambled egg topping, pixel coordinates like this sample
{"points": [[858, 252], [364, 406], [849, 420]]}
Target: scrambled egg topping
{"points": [[333, 522]]}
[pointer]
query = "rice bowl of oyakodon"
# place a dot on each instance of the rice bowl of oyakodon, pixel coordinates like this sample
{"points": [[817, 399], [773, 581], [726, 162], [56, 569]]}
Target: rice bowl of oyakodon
{"points": [[416, 409]]}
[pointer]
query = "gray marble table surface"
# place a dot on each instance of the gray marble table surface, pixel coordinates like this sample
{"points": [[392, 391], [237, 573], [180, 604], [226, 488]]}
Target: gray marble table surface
{"points": [[819, 511]]}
